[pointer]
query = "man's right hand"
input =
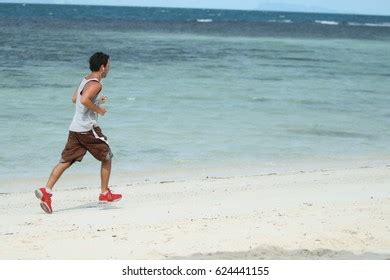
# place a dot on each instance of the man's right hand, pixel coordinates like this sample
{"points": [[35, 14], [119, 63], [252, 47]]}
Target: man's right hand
{"points": [[102, 111]]}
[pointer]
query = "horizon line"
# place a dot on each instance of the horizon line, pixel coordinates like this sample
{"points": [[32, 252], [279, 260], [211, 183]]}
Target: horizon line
{"points": [[221, 9]]}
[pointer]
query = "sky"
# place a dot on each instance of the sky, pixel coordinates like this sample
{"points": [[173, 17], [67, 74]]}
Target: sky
{"points": [[372, 7]]}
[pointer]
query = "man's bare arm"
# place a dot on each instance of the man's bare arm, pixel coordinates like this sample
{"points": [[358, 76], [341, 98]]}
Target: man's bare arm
{"points": [[74, 96], [90, 91]]}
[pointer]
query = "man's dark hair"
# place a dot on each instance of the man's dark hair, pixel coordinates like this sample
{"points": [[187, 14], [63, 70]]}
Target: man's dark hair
{"points": [[98, 59]]}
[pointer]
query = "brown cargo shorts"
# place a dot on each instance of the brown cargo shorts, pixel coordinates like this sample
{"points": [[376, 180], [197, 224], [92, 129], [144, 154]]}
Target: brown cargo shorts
{"points": [[80, 142]]}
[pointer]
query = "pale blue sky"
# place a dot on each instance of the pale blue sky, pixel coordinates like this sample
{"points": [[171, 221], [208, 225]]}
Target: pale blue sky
{"points": [[380, 7]]}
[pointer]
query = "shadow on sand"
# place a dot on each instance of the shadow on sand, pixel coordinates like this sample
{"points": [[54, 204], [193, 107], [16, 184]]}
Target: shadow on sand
{"points": [[277, 253], [90, 205]]}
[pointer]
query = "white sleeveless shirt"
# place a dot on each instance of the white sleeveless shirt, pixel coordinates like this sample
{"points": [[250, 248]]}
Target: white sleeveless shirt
{"points": [[84, 119]]}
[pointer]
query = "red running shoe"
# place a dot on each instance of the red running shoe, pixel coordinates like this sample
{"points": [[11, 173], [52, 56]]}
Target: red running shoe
{"points": [[109, 197], [45, 198]]}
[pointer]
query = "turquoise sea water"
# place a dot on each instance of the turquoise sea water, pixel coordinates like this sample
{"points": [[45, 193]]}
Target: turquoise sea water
{"points": [[195, 87]]}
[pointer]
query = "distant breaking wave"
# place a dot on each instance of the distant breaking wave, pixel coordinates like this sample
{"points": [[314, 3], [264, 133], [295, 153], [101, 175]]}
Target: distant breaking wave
{"points": [[382, 24], [204, 20], [281, 21], [327, 22]]}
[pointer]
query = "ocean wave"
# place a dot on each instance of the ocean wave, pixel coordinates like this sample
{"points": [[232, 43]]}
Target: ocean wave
{"points": [[326, 22], [329, 133], [275, 79], [310, 102], [260, 99], [281, 21], [305, 59], [382, 24], [204, 20]]}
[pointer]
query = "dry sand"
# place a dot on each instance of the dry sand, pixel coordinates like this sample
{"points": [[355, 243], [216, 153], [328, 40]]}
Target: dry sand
{"points": [[319, 214]]}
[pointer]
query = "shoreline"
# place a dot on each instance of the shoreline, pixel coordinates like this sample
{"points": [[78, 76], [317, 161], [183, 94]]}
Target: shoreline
{"points": [[74, 178], [321, 214]]}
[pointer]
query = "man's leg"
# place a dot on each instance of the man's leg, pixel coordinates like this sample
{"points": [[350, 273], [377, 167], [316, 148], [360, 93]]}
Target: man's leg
{"points": [[106, 194], [56, 173], [105, 174], [44, 194]]}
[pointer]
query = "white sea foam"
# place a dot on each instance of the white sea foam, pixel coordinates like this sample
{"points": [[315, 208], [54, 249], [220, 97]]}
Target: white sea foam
{"points": [[281, 21], [205, 20], [382, 24], [327, 22]]}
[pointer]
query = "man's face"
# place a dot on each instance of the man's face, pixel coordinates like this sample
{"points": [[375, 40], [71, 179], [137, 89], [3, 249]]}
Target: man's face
{"points": [[106, 69]]}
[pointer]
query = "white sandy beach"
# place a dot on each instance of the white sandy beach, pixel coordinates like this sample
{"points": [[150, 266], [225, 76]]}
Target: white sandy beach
{"points": [[318, 214]]}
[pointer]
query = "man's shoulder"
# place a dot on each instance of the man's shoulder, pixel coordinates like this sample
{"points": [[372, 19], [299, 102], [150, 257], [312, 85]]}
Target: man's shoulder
{"points": [[93, 84]]}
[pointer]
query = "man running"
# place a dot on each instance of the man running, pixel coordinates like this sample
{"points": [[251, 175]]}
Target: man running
{"points": [[85, 133]]}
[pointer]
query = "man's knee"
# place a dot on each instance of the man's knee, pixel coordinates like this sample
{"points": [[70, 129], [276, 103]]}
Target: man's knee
{"points": [[66, 164]]}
